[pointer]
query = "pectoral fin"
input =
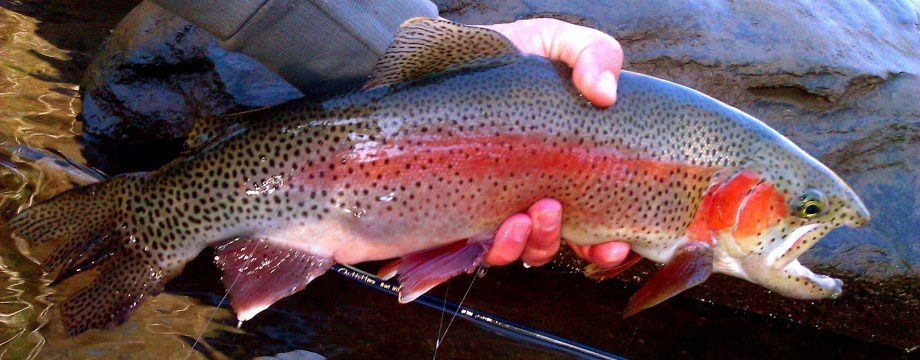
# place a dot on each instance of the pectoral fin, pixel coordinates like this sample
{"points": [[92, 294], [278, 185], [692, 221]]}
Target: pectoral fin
{"points": [[690, 266], [257, 273]]}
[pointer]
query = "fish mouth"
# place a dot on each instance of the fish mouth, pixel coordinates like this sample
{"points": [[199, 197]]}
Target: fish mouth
{"points": [[792, 246], [779, 269], [784, 273], [826, 286]]}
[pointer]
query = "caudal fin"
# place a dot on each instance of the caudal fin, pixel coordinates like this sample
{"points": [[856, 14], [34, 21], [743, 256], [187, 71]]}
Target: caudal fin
{"points": [[92, 227]]}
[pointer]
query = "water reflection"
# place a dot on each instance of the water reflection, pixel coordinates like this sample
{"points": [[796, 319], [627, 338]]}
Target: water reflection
{"points": [[29, 114], [38, 108]]}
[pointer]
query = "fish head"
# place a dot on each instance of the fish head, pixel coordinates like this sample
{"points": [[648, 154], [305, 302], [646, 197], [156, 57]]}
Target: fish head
{"points": [[761, 218]]}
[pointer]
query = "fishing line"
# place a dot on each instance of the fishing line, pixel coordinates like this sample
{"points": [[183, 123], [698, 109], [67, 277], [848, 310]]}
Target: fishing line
{"points": [[219, 303], [488, 321], [485, 320], [441, 322], [437, 344]]}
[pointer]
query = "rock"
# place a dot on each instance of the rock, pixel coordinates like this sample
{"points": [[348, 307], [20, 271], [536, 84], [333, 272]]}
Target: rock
{"points": [[840, 79], [157, 73], [293, 355]]}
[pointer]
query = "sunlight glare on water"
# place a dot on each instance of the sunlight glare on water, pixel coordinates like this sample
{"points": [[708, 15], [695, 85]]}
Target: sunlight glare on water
{"points": [[38, 107]]}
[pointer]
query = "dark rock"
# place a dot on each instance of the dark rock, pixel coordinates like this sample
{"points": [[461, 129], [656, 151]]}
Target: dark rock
{"points": [[157, 73], [838, 78], [293, 355]]}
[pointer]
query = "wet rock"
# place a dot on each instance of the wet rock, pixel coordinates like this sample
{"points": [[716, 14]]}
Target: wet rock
{"points": [[293, 355], [840, 79], [157, 73]]}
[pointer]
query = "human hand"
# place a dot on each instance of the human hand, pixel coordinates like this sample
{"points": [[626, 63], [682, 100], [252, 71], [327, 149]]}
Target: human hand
{"points": [[534, 237], [596, 59]]}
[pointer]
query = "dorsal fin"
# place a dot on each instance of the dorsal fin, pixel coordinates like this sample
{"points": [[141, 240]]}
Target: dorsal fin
{"points": [[426, 46]]}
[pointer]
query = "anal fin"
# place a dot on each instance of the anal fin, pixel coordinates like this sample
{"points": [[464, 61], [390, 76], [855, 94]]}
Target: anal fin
{"points": [[598, 273], [423, 270], [257, 273], [690, 266]]}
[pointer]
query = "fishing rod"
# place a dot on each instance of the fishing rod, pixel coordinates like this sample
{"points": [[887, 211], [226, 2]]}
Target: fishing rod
{"points": [[483, 319]]}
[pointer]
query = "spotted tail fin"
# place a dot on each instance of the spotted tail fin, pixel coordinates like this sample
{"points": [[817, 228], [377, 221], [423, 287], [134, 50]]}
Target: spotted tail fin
{"points": [[95, 227]]}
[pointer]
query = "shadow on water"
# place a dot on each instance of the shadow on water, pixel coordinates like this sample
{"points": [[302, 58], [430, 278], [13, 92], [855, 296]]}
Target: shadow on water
{"points": [[44, 48]]}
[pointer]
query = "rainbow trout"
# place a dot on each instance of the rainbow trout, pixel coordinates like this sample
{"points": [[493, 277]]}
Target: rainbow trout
{"points": [[455, 132]]}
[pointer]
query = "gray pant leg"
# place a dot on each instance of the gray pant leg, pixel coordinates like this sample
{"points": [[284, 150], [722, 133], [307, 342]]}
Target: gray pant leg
{"points": [[319, 46]]}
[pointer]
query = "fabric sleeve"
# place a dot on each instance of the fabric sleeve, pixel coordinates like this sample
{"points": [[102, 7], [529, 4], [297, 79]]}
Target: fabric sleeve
{"points": [[322, 47]]}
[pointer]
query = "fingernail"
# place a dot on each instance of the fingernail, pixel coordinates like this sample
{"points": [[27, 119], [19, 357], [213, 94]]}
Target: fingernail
{"points": [[608, 83], [547, 220], [521, 231]]}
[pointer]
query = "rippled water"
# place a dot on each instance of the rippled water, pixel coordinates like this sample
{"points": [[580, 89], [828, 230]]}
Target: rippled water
{"points": [[30, 114], [38, 108], [339, 319]]}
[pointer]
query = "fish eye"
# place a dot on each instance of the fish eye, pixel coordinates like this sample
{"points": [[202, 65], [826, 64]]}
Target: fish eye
{"points": [[811, 204]]}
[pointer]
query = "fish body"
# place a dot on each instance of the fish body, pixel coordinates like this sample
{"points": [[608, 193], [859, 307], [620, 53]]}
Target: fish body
{"points": [[382, 175], [428, 167]]}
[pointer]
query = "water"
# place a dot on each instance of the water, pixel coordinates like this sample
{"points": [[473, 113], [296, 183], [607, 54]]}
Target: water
{"points": [[38, 108], [43, 49]]}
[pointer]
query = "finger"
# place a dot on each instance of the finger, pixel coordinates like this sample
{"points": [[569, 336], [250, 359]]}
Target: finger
{"points": [[596, 60], [595, 57], [510, 240], [595, 72], [579, 250], [607, 255], [545, 235]]}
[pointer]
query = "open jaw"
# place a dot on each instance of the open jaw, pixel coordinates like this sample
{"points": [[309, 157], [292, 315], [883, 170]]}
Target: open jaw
{"points": [[777, 267]]}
